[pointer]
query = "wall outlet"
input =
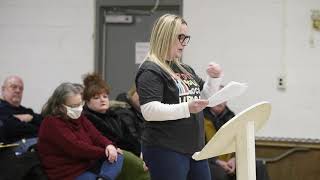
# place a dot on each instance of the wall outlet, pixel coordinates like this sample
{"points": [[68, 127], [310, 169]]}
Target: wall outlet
{"points": [[282, 82]]}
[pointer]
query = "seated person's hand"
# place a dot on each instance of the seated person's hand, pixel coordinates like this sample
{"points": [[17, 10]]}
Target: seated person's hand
{"points": [[232, 165], [145, 167], [198, 105], [223, 165], [111, 153], [24, 117]]}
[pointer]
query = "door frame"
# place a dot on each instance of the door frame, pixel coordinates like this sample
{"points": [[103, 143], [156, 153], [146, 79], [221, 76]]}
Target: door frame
{"points": [[100, 5]]}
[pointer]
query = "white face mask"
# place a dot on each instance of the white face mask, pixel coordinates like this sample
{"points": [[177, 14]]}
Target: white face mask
{"points": [[74, 113]]}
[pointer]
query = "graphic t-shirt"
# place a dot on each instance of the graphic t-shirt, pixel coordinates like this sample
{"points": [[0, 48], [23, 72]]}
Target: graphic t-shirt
{"points": [[187, 86], [154, 84]]}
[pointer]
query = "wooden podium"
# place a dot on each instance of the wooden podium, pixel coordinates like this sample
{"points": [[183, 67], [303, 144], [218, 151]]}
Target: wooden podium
{"points": [[237, 135]]}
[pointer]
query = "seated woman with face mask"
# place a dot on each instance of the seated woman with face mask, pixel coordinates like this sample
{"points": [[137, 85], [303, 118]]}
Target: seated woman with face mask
{"points": [[70, 147]]}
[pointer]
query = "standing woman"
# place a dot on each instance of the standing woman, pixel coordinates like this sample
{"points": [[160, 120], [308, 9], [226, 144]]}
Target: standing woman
{"points": [[70, 147], [170, 93]]}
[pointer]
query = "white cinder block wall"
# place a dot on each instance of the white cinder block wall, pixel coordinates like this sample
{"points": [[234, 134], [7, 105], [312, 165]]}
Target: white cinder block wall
{"points": [[48, 42], [255, 42]]}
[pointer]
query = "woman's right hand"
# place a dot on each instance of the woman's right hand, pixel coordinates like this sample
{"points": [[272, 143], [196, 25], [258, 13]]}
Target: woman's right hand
{"points": [[111, 153], [197, 105]]}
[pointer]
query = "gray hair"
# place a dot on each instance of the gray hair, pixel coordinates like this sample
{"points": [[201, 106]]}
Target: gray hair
{"points": [[54, 105]]}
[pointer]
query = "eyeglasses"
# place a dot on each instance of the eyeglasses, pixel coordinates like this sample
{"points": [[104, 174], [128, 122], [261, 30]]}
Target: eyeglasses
{"points": [[184, 39]]}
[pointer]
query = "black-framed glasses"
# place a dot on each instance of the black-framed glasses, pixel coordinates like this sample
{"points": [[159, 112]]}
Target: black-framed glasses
{"points": [[184, 39]]}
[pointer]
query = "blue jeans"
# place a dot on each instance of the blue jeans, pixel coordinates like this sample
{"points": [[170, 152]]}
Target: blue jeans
{"points": [[108, 170], [24, 145], [165, 164]]}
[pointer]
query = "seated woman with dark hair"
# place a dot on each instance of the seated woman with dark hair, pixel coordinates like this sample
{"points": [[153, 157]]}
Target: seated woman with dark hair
{"points": [[70, 147], [97, 110]]}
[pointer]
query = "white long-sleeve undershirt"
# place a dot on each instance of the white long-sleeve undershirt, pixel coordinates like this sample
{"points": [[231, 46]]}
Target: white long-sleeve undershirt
{"points": [[210, 87], [157, 111]]}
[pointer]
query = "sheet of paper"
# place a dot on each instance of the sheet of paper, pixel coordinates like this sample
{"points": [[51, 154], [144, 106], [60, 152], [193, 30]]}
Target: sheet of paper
{"points": [[142, 49], [231, 90]]}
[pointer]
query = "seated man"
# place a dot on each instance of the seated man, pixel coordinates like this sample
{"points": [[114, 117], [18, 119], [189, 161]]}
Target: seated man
{"points": [[224, 167], [20, 124]]}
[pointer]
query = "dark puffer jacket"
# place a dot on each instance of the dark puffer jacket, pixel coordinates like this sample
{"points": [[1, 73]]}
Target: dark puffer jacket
{"points": [[114, 128]]}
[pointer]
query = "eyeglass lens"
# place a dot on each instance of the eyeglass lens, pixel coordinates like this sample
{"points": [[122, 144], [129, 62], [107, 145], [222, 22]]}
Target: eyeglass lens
{"points": [[183, 38]]}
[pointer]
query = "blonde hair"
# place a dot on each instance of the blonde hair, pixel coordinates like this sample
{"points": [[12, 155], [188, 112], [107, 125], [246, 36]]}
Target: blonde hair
{"points": [[163, 36]]}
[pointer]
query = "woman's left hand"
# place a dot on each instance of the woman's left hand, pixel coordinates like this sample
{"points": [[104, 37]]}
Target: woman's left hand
{"points": [[214, 70]]}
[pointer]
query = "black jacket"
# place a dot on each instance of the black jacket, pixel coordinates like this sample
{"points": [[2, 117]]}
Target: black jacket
{"points": [[12, 128], [111, 126], [218, 120], [129, 115]]}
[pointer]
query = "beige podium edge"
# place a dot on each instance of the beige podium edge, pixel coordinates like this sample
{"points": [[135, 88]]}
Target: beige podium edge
{"points": [[238, 135]]}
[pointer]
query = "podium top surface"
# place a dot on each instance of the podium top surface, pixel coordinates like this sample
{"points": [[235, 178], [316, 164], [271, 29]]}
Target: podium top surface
{"points": [[223, 142]]}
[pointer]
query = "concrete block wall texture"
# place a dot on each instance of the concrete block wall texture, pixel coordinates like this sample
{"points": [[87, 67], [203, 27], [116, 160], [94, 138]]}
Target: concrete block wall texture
{"points": [[49, 42]]}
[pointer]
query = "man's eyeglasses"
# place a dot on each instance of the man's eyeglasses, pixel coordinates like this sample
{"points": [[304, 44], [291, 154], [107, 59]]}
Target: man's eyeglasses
{"points": [[183, 39]]}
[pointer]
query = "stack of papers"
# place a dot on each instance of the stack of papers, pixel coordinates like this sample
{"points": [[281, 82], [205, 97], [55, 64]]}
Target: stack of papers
{"points": [[231, 90]]}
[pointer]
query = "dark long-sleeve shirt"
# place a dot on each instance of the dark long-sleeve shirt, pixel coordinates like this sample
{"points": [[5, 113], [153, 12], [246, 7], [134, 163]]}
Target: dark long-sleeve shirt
{"points": [[67, 148], [13, 128]]}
